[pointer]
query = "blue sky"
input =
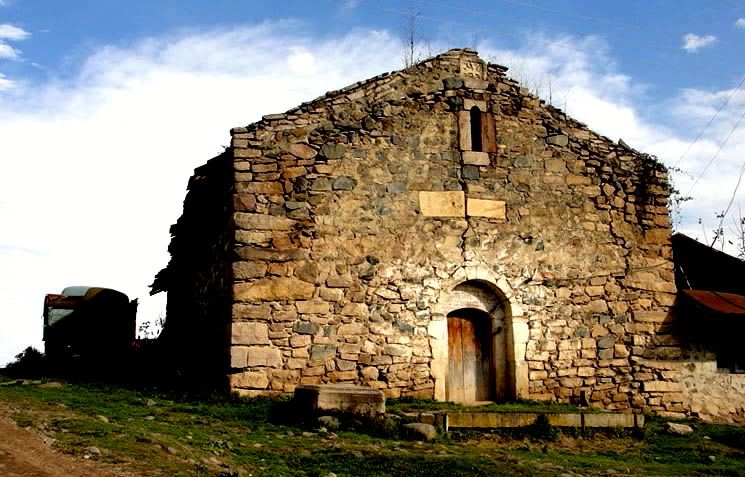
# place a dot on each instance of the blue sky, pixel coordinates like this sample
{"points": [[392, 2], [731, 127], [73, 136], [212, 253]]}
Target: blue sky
{"points": [[106, 107]]}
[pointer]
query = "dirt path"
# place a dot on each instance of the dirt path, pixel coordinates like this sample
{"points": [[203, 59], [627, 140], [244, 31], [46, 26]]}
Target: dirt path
{"points": [[24, 453]]}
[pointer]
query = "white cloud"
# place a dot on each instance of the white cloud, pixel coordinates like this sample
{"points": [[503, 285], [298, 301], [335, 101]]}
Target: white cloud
{"points": [[692, 42], [7, 52], [301, 61], [5, 83], [740, 23], [95, 170], [10, 32]]}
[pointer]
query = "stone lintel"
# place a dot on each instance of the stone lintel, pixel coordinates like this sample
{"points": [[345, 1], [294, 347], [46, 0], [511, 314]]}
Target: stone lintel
{"points": [[494, 209], [469, 103], [476, 158], [442, 204]]}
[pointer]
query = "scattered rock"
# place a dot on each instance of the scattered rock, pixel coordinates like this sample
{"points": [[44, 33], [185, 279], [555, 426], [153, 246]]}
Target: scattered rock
{"points": [[421, 431], [93, 450], [712, 458], [678, 429], [172, 450], [330, 422], [150, 402], [103, 419]]}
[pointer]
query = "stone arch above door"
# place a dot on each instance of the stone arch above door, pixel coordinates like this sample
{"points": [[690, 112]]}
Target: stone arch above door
{"points": [[479, 293]]}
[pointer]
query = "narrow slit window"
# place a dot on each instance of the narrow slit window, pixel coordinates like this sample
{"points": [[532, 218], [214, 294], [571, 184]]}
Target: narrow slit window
{"points": [[476, 144]]}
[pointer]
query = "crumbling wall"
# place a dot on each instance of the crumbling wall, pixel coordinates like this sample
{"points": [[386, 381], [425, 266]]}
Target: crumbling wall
{"points": [[199, 278], [358, 213]]}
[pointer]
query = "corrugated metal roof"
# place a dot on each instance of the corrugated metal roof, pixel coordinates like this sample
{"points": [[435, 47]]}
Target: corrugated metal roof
{"points": [[725, 303]]}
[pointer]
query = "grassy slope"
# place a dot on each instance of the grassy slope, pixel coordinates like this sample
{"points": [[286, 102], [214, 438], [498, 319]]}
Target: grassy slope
{"points": [[163, 434]]}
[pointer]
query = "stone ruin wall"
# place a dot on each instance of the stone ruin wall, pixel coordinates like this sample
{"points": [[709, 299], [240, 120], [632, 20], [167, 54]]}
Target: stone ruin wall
{"points": [[199, 277], [357, 213]]}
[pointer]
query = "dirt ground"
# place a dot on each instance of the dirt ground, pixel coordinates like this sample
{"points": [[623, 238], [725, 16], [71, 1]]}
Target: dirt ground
{"points": [[24, 453]]}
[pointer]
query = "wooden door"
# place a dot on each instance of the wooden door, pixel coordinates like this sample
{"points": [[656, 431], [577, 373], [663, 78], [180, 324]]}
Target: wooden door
{"points": [[470, 358]]}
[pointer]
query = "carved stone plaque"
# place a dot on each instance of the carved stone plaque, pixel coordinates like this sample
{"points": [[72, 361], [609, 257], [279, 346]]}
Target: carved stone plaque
{"points": [[474, 69]]}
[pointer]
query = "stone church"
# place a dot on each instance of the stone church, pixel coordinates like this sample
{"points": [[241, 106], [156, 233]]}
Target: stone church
{"points": [[434, 232]]}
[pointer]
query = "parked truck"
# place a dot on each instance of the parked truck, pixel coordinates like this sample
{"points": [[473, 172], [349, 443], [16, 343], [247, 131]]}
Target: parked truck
{"points": [[88, 323]]}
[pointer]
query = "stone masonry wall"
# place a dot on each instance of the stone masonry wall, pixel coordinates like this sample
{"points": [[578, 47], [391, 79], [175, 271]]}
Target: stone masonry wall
{"points": [[357, 214], [713, 394]]}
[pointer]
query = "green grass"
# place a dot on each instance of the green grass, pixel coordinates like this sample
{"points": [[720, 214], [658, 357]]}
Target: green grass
{"points": [[155, 433]]}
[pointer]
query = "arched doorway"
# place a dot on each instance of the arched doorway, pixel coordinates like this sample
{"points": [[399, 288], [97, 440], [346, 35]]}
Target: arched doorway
{"points": [[471, 369], [476, 344]]}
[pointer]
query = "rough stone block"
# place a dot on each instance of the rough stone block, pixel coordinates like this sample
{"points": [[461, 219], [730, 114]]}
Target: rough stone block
{"points": [[355, 309], [248, 270], [331, 294], [397, 350], [652, 316], [270, 254], [306, 328], [352, 329], [273, 289], [266, 188], [486, 208], [238, 356], [249, 221], [340, 398], [339, 281], [442, 204], [315, 307], [661, 386], [576, 180], [558, 140], [263, 356], [241, 152], [249, 333], [322, 352], [299, 341], [303, 151], [249, 379], [243, 311]]}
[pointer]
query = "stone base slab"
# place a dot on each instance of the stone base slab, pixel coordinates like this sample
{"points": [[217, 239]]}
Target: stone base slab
{"points": [[524, 419], [340, 398]]}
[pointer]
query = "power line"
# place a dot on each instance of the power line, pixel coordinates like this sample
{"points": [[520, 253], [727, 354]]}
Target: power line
{"points": [[480, 14], [713, 158], [470, 28], [701, 133], [624, 26], [475, 13], [473, 29]]}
